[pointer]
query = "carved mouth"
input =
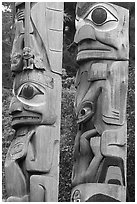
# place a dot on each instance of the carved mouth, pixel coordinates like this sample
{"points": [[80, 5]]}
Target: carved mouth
{"points": [[92, 45], [20, 121], [92, 49], [93, 54]]}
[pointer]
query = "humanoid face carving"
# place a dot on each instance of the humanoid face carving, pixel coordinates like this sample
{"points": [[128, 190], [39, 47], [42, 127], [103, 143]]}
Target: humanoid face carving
{"points": [[32, 103], [102, 31]]}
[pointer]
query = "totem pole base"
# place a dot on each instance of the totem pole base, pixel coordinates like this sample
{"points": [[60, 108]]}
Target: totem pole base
{"points": [[93, 192]]}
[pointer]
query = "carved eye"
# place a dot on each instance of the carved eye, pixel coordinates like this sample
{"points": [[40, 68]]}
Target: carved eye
{"points": [[28, 91], [100, 16], [86, 111]]}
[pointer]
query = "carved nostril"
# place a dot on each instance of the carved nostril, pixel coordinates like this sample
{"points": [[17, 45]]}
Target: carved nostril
{"points": [[16, 111], [15, 106]]}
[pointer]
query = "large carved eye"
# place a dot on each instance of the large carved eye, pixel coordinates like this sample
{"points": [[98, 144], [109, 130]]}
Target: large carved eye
{"points": [[100, 15], [28, 91]]}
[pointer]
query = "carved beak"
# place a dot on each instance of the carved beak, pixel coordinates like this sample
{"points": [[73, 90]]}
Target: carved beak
{"points": [[84, 32]]}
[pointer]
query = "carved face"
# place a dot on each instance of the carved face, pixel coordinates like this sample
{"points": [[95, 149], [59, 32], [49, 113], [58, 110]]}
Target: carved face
{"points": [[101, 31], [33, 100]]}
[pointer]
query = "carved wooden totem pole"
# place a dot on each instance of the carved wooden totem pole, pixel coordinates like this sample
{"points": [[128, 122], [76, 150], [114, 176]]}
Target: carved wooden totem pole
{"points": [[99, 170], [32, 162]]}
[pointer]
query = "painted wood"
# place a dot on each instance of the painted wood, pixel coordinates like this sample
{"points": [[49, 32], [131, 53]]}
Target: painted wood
{"points": [[32, 161], [99, 169]]}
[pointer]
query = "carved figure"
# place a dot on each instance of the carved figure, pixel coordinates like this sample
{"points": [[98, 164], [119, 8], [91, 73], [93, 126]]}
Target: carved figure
{"points": [[33, 44], [31, 166], [99, 170]]}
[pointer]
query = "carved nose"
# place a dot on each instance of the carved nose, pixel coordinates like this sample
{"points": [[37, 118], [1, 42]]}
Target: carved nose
{"points": [[15, 106], [85, 32]]}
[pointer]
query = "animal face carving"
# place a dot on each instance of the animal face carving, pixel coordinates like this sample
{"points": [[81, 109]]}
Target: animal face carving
{"points": [[101, 31], [33, 98]]}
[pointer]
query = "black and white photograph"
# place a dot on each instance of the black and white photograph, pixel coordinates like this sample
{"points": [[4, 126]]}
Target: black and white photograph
{"points": [[68, 101]]}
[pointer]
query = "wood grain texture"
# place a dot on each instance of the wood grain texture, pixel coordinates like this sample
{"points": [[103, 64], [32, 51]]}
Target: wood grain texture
{"points": [[32, 161], [42, 36], [100, 148]]}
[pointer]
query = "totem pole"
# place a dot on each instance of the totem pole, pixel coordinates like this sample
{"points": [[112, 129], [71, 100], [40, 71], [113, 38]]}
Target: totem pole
{"points": [[32, 161], [99, 170]]}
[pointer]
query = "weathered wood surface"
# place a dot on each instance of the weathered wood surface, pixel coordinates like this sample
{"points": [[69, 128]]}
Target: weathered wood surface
{"points": [[32, 161], [99, 170]]}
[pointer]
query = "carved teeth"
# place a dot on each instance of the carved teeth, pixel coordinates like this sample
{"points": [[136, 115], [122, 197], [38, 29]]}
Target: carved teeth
{"points": [[25, 117]]}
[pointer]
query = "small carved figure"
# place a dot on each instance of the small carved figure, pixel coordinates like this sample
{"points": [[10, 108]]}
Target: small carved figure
{"points": [[33, 45], [99, 170]]}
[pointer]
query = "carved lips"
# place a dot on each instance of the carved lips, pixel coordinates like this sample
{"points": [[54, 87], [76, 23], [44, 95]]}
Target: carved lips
{"points": [[92, 45], [89, 48], [21, 119]]}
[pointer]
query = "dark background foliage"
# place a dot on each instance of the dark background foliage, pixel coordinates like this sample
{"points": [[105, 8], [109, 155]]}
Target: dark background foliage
{"points": [[68, 122]]}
